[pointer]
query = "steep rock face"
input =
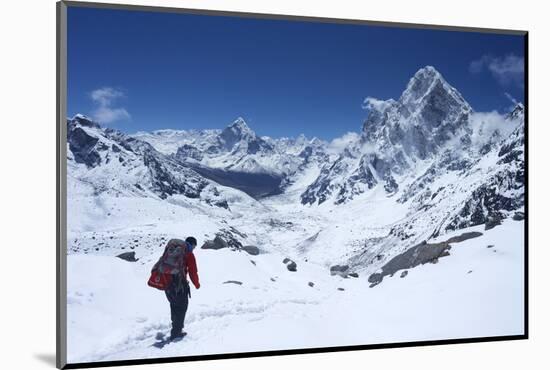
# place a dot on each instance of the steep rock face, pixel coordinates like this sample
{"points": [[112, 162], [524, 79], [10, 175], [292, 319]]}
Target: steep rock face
{"points": [[83, 146], [397, 135], [189, 151], [238, 137], [502, 192]]}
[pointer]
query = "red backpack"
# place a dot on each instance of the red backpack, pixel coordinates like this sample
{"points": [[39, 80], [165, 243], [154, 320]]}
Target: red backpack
{"points": [[169, 266]]}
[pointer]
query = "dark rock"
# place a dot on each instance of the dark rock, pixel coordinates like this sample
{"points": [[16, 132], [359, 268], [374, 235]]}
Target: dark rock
{"points": [[84, 121], [82, 145], [290, 264], [353, 274], [493, 222], [128, 256], [339, 270], [414, 256], [253, 262], [403, 274], [375, 278], [463, 237], [311, 284], [233, 282], [188, 151], [469, 272], [341, 289], [490, 202], [250, 249], [518, 216], [490, 246], [217, 243], [292, 267]]}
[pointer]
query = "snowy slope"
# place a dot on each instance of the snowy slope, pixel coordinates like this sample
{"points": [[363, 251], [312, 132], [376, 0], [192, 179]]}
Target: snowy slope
{"points": [[475, 292]]}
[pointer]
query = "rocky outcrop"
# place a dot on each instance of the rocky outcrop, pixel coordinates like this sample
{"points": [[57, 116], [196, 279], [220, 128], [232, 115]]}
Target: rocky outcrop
{"points": [[83, 146], [251, 249], [417, 255], [464, 236], [217, 243], [224, 239], [340, 270], [518, 216]]}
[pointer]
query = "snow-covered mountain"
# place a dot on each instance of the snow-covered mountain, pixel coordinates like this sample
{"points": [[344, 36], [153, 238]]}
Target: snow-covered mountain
{"points": [[425, 172], [109, 161], [443, 165], [396, 137], [236, 148]]}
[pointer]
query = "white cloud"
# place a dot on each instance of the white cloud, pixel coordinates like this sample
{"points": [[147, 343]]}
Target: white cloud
{"points": [[105, 113], [109, 115], [508, 70], [486, 124], [340, 143], [377, 104]]}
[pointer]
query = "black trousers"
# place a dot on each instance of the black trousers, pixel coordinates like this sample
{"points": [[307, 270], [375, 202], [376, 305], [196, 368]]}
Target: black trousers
{"points": [[178, 296]]}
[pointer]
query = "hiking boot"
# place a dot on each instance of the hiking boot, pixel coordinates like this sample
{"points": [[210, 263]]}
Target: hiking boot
{"points": [[179, 335]]}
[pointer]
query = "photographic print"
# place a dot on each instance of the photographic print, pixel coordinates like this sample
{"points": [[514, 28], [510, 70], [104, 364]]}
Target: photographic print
{"points": [[240, 184]]}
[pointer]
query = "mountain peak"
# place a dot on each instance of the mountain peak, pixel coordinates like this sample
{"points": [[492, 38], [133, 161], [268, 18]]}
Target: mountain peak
{"points": [[236, 132], [428, 87], [517, 112], [240, 128], [428, 71], [421, 84], [84, 120]]}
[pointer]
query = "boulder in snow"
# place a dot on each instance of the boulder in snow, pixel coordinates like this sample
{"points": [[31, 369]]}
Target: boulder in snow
{"points": [[217, 243], [251, 249], [290, 264], [339, 270], [128, 256], [463, 237], [492, 222], [236, 282], [518, 216], [418, 255]]}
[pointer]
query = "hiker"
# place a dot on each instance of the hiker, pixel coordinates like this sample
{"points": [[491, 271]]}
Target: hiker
{"points": [[178, 253]]}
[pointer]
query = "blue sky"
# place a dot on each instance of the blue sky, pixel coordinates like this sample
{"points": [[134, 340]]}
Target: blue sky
{"points": [[137, 70]]}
